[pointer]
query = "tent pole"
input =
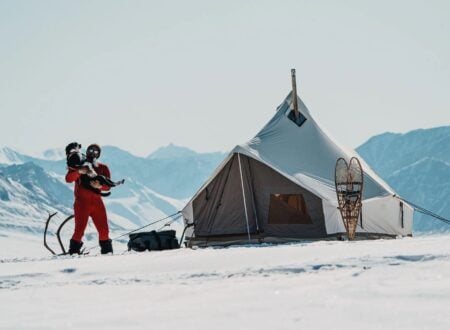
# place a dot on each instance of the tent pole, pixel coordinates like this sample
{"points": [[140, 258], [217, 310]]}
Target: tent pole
{"points": [[294, 94], [243, 197], [253, 195]]}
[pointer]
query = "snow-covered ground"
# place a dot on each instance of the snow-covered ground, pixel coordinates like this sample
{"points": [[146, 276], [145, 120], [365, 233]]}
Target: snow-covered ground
{"points": [[382, 284]]}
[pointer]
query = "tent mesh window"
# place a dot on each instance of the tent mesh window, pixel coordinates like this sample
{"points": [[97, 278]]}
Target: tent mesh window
{"points": [[301, 119], [288, 209]]}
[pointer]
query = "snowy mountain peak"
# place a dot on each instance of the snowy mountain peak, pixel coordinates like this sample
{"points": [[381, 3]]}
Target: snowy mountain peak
{"points": [[172, 151], [416, 164], [9, 156], [53, 154], [27, 194]]}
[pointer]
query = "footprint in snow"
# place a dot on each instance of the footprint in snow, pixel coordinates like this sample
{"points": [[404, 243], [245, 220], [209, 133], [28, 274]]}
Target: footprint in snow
{"points": [[69, 270]]}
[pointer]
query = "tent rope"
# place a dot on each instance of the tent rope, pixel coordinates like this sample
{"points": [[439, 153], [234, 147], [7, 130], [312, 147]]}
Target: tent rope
{"points": [[169, 223], [426, 212], [135, 230]]}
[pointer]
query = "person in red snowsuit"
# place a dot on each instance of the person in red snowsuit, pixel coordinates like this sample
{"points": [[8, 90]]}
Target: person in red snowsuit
{"points": [[88, 203]]}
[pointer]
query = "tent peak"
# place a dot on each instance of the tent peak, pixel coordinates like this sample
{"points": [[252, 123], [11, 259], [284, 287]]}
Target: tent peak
{"points": [[295, 115], [294, 94]]}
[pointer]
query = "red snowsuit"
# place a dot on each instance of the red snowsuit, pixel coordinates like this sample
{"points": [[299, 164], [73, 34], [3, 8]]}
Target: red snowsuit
{"points": [[89, 204]]}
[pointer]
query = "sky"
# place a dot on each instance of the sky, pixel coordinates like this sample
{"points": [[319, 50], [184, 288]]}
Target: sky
{"points": [[209, 74]]}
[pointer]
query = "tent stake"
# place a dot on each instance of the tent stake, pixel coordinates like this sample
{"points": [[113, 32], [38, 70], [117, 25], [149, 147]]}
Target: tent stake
{"points": [[294, 94]]}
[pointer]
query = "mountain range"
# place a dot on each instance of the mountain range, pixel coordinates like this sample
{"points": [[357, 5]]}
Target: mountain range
{"points": [[415, 164], [155, 186]]}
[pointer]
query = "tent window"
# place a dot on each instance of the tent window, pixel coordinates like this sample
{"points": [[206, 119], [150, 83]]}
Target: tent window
{"points": [[288, 209], [301, 119]]}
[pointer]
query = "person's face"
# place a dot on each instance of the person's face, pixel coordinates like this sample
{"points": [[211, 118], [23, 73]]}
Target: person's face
{"points": [[93, 152]]}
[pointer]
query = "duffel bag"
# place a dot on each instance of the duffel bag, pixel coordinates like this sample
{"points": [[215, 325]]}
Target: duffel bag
{"points": [[153, 240]]}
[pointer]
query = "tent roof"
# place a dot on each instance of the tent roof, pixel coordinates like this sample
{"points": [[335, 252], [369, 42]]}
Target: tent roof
{"points": [[304, 154]]}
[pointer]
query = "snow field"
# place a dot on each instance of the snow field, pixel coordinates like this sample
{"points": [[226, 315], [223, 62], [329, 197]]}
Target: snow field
{"points": [[390, 284]]}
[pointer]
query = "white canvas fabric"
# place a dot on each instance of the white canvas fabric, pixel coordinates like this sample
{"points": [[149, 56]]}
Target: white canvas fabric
{"points": [[307, 156], [381, 215]]}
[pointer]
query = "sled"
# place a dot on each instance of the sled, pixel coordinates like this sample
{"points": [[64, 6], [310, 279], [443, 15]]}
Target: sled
{"points": [[139, 241], [349, 181], [58, 234]]}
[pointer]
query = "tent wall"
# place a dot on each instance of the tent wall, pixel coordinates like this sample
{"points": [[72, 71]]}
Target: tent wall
{"points": [[267, 182], [219, 208], [381, 215]]}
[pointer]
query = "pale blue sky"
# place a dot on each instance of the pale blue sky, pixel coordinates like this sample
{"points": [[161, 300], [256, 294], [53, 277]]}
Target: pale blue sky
{"points": [[209, 74]]}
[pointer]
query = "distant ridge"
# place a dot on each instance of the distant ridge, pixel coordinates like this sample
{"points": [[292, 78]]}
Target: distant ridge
{"points": [[9, 156], [417, 165], [54, 154], [399, 150], [172, 151]]}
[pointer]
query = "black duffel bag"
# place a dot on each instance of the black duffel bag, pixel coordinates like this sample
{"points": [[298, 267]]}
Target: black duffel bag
{"points": [[153, 240]]}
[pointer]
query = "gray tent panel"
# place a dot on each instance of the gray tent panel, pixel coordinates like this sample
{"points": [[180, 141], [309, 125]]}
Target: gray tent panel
{"points": [[274, 206], [219, 208], [268, 187]]}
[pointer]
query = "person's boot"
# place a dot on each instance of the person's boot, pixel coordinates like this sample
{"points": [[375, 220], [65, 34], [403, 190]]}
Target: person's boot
{"points": [[75, 247], [106, 246]]}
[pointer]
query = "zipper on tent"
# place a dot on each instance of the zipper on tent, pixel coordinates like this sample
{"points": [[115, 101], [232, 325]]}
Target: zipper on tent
{"points": [[243, 197]]}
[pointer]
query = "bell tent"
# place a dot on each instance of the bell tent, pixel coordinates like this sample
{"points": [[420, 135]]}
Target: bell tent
{"points": [[279, 187]]}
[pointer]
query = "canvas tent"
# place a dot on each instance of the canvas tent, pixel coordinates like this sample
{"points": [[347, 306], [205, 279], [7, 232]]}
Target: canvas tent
{"points": [[279, 186]]}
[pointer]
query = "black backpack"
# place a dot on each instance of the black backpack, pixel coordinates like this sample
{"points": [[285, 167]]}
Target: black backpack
{"points": [[153, 240]]}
